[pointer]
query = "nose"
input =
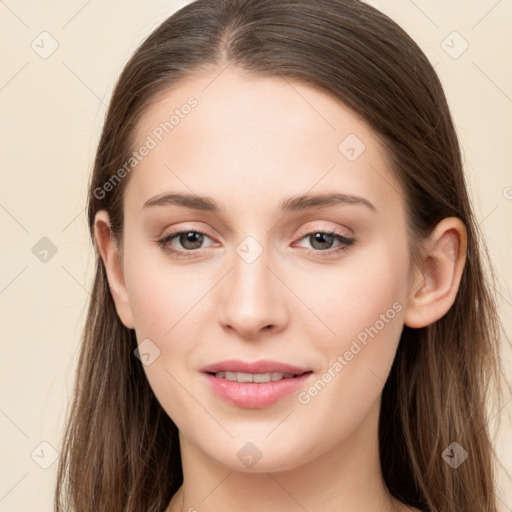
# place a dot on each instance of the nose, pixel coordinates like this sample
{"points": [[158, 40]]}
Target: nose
{"points": [[253, 299]]}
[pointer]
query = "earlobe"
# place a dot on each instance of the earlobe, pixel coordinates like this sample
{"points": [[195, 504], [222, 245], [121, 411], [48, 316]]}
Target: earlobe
{"points": [[436, 283], [110, 254]]}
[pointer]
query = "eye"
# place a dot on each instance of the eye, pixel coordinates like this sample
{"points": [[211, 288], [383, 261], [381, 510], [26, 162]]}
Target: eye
{"points": [[325, 242], [190, 240], [322, 242]]}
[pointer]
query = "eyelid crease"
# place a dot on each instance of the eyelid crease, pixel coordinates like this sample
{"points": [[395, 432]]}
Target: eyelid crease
{"points": [[316, 228]]}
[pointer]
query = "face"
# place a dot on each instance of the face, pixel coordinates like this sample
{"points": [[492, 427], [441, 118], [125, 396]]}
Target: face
{"points": [[255, 273]]}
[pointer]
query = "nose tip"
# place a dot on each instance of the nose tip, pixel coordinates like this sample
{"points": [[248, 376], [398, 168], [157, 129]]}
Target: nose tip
{"points": [[252, 303], [248, 328]]}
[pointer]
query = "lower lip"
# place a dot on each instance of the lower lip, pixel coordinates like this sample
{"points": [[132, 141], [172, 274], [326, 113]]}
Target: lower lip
{"points": [[255, 395]]}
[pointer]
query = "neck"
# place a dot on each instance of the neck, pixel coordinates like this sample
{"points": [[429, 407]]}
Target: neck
{"points": [[346, 478]]}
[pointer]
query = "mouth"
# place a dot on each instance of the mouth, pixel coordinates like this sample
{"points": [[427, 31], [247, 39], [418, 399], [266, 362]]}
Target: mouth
{"points": [[243, 377], [249, 390], [227, 369]]}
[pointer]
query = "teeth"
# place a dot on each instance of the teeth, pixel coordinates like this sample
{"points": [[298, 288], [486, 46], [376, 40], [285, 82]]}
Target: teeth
{"points": [[253, 377]]}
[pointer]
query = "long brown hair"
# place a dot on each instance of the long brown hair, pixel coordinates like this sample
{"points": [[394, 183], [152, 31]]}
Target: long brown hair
{"points": [[121, 451]]}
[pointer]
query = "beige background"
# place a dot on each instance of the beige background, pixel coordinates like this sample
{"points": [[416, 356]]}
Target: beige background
{"points": [[52, 110]]}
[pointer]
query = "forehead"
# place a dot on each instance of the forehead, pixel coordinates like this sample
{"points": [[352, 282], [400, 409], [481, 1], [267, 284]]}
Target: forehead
{"points": [[238, 103], [224, 131]]}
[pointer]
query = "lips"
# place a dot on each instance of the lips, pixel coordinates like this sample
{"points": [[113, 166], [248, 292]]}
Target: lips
{"points": [[252, 395], [232, 381], [263, 366]]}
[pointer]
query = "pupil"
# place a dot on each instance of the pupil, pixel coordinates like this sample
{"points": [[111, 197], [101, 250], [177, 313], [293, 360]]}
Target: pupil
{"points": [[191, 240], [321, 238]]}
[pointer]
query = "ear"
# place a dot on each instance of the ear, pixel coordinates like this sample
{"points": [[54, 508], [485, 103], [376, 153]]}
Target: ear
{"points": [[111, 255], [435, 285]]}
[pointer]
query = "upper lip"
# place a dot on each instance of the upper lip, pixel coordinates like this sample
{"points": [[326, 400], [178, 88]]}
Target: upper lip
{"points": [[263, 366]]}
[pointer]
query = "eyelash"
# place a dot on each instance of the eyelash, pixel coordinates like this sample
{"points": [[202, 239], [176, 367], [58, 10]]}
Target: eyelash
{"points": [[345, 242]]}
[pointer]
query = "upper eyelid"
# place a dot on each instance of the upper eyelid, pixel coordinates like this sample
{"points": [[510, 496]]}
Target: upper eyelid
{"points": [[316, 227], [322, 229], [301, 232]]}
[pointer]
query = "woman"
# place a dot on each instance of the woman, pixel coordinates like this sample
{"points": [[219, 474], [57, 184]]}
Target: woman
{"points": [[289, 310]]}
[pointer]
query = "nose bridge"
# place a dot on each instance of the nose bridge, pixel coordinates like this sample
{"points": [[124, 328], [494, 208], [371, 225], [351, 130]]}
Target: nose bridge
{"points": [[253, 298]]}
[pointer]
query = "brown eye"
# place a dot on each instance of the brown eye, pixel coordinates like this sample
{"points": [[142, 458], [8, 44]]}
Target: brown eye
{"points": [[321, 241], [326, 243], [183, 244], [190, 239]]}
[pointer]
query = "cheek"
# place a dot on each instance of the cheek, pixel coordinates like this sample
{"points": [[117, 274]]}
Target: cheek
{"points": [[368, 287], [166, 302], [161, 292], [357, 359], [363, 304]]}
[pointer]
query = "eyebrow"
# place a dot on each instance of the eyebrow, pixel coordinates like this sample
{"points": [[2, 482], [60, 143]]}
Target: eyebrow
{"points": [[295, 203]]}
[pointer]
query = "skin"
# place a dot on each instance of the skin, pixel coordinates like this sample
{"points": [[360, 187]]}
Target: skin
{"points": [[249, 144]]}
